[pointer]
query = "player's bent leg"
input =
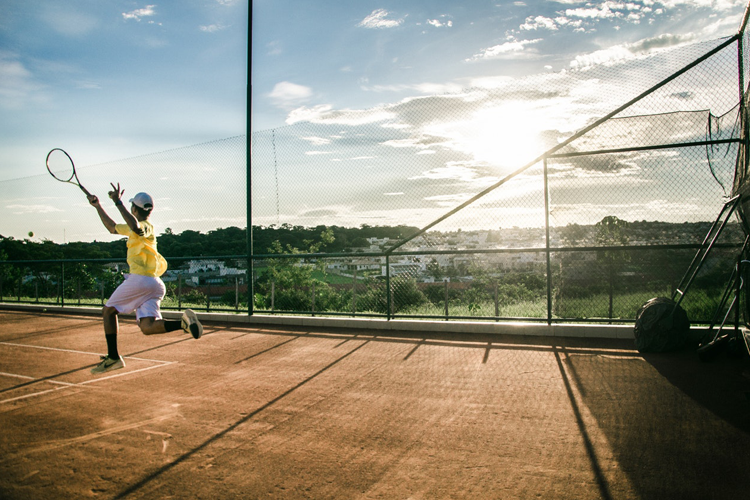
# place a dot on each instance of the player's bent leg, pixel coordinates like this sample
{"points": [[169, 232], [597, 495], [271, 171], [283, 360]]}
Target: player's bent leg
{"points": [[152, 326], [191, 324], [109, 316], [112, 361]]}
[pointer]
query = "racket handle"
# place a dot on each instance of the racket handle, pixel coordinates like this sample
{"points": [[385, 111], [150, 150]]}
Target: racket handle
{"points": [[84, 190]]}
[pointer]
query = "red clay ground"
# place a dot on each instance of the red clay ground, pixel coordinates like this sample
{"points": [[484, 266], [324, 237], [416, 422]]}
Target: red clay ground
{"points": [[297, 413]]}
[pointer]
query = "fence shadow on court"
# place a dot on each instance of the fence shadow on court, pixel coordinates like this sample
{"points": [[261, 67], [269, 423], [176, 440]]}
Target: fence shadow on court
{"points": [[677, 427]]}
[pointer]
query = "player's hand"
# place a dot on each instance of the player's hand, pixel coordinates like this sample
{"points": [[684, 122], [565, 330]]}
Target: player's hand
{"points": [[116, 192], [93, 200]]}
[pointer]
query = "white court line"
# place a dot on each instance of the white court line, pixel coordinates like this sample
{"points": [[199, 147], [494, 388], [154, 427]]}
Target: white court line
{"points": [[31, 395], [68, 384], [79, 352], [26, 377]]}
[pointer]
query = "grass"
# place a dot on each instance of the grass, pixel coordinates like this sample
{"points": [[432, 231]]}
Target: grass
{"points": [[699, 304]]}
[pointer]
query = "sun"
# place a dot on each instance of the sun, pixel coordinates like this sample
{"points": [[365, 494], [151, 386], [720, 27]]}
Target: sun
{"points": [[506, 137]]}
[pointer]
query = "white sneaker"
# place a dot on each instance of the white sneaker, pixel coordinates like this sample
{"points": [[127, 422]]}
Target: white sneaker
{"points": [[191, 324], [108, 364]]}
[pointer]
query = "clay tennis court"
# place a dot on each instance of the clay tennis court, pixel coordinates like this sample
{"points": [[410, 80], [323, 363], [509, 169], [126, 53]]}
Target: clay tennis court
{"points": [[293, 412]]}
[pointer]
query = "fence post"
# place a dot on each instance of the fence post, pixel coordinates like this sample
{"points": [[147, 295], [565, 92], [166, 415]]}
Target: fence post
{"points": [[497, 304], [236, 294], [273, 294], [62, 286], [179, 292], [547, 252], [102, 285], [313, 298], [445, 286], [354, 292], [20, 280], [36, 291], [388, 298], [79, 291]]}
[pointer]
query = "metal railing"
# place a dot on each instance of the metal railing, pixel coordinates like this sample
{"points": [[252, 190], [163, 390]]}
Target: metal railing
{"points": [[553, 284]]}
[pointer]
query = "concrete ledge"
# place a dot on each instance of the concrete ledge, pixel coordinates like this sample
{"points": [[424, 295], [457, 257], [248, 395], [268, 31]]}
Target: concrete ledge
{"points": [[583, 330]]}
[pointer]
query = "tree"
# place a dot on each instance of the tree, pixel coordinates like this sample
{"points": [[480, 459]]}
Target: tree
{"points": [[610, 232], [293, 281]]}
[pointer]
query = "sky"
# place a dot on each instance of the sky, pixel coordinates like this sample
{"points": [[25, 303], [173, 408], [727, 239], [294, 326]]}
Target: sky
{"points": [[309, 55], [122, 78]]}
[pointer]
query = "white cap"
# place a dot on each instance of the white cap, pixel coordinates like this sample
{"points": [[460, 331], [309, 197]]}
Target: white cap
{"points": [[143, 200]]}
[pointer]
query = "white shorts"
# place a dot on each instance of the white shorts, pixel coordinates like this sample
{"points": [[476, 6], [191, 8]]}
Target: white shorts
{"points": [[141, 294]]}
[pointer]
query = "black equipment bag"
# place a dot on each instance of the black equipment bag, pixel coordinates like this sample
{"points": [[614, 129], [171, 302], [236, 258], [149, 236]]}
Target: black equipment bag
{"points": [[661, 325]]}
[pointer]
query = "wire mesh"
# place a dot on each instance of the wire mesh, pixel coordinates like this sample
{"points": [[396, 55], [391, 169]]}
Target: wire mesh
{"points": [[535, 197]]}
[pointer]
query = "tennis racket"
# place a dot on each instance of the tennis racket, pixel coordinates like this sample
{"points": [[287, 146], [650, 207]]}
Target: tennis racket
{"points": [[60, 166]]}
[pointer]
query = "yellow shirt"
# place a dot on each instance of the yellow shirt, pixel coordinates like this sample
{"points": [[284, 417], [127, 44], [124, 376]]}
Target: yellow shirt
{"points": [[143, 258]]}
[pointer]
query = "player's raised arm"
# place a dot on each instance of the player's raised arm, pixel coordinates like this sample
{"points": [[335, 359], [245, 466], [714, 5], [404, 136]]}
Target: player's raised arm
{"points": [[130, 220], [106, 219]]}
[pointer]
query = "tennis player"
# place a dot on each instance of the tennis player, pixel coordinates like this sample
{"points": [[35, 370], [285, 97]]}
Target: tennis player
{"points": [[143, 290]]}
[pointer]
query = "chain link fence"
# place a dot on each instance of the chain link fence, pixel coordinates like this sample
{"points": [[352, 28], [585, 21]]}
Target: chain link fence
{"points": [[570, 196]]}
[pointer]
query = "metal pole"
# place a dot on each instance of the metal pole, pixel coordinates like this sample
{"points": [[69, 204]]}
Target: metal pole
{"points": [[62, 281], [354, 292], [497, 304], [445, 288], [388, 298], [248, 162], [547, 244]]}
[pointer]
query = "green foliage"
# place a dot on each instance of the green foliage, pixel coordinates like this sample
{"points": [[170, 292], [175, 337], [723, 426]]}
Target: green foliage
{"points": [[406, 297], [194, 296], [291, 282]]}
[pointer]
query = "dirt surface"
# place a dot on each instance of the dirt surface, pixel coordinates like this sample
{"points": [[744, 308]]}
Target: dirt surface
{"points": [[300, 413]]}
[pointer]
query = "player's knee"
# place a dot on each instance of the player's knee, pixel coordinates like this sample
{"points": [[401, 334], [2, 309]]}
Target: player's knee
{"points": [[148, 326], [108, 312]]}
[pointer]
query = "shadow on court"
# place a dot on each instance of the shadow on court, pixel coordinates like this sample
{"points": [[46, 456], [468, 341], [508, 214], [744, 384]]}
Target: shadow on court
{"points": [[299, 413]]}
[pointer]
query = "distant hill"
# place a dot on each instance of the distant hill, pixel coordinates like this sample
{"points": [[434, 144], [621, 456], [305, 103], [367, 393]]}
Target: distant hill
{"points": [[233, 240]]}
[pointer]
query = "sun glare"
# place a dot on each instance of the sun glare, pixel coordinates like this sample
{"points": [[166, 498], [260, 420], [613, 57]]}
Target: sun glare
{"points": [[505, 137]]}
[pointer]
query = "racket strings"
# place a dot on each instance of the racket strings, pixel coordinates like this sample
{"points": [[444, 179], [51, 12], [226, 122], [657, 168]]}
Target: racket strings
{"points": [[60, 166]]}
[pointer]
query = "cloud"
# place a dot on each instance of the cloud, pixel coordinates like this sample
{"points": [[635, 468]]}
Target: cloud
{"points": [[422, 88], [599, 165], [317, 141], [17, 83], [439, 24], [539, 22], [462, 171], [66, 21], [274, 48], [714, 4], [137, 14], [31, 209], [377, 20], [618, 53], [288, 95], [325, 114], [212, 28], [502, 51], [597, 12]]}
